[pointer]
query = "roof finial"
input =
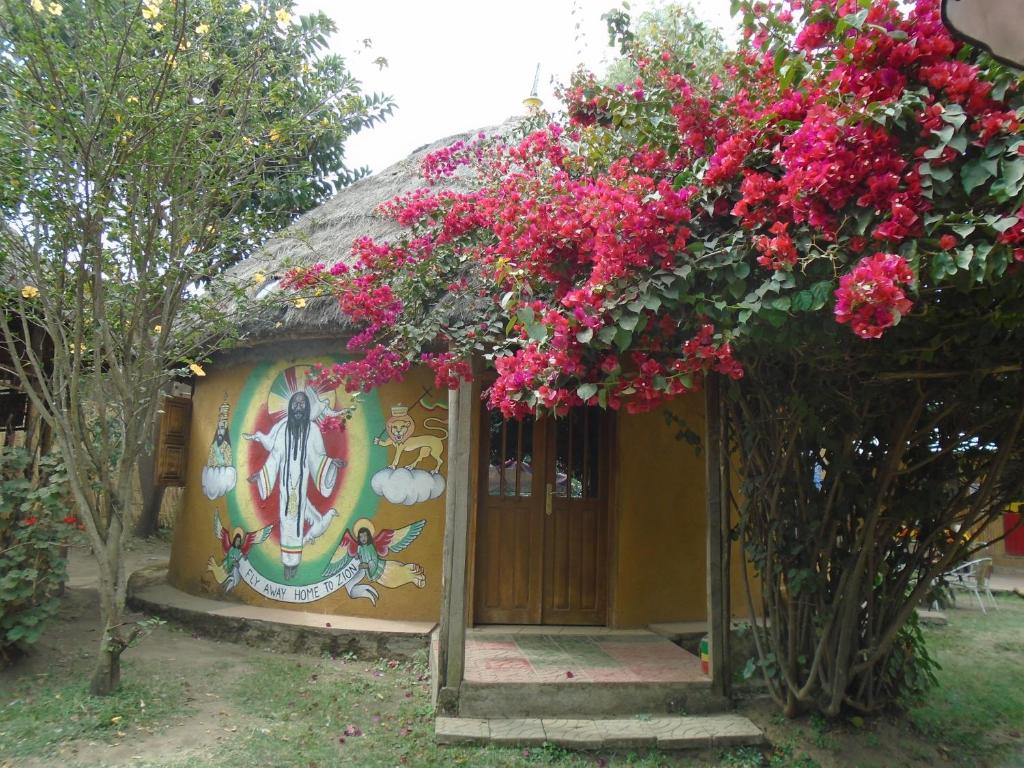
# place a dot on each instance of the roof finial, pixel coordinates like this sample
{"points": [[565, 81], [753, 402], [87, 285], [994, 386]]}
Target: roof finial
{"points": [[533, 102]]}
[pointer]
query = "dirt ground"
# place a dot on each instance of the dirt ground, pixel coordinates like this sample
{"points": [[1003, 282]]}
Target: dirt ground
{"points": [[199, 702], [71, 642]]}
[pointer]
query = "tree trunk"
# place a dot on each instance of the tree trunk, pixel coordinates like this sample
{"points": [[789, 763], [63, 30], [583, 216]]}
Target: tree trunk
{"points": [[152, 498], [112, 591], [107, 676]]}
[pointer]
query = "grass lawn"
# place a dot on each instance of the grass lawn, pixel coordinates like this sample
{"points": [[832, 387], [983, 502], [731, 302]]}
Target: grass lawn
{"points": [[192, 702]]}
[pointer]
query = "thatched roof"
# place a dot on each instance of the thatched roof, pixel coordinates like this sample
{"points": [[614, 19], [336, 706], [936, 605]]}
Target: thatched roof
{"points": [[325, 234]]}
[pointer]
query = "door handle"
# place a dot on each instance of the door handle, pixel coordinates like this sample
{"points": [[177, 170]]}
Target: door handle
{"points": [[547, 498]]}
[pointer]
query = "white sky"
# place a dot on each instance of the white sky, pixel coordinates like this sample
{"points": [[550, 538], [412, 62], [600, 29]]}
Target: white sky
{"points": [[457, 65]]}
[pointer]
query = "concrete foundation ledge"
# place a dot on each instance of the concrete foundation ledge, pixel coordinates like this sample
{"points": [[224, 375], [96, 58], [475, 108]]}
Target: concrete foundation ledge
{"points": [[685, 732], [280, 629]]}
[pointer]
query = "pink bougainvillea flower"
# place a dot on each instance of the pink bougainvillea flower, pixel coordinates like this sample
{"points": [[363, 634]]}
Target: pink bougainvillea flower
{"points": [[871, 297]]}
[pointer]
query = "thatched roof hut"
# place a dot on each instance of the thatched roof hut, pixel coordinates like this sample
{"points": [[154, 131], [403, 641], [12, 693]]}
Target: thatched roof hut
{"points": [[326, 234]]}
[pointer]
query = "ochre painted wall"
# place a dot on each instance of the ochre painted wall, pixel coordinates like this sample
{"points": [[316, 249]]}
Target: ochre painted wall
{"points": [[400, 579], [1003, 561], [660, 552]]}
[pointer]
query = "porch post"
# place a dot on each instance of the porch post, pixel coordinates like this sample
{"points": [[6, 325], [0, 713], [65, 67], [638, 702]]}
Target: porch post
{"points": [[452, 631], [717, 538]]}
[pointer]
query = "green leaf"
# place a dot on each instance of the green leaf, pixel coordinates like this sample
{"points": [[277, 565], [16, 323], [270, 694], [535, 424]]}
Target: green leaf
{"points": [[954, 115], [959, 142], [628, 322], [586, 391], [942, 265], [585, 335], [623, 339], [802, 301], [821, 291], [1008, 185], [750, 668], [1002, 224], [963, 256], [856, 20], [975, 173], [607, 334], [945, 133], [652, 302]]}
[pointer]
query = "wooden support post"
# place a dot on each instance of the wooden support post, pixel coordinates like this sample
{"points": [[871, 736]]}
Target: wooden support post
{"points": [[452, 631], [717, 538]]}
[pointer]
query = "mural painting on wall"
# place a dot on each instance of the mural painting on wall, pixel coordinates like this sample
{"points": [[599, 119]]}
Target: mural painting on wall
{"points": [[364, 554], [404, 481], [308, 458], [219, 472], [236, 546]]}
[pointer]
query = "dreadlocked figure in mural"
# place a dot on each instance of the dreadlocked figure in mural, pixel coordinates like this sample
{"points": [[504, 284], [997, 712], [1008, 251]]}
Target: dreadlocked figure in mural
{"points": [[297, 457]]}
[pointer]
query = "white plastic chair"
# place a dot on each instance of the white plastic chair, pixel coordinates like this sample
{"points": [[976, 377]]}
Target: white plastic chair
{"points": [[973, 577]]}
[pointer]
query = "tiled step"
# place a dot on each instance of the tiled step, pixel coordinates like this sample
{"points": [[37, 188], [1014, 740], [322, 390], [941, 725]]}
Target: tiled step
{"points": [[586, 699], [689, 732]]}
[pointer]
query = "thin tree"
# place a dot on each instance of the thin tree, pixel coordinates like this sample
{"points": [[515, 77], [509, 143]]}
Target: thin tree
{"points": [[143, 146]]}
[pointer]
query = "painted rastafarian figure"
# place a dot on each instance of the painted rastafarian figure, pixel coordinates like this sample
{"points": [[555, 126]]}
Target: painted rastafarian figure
{"points": [[296, 459]]}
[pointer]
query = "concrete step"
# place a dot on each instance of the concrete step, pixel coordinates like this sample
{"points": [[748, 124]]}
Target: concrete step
{"points": [[586, 699], [691, 732]]}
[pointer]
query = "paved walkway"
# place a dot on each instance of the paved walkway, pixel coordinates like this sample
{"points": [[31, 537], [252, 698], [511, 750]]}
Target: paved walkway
{"points": [[296, 631], [1007, 582], [576, 655]]}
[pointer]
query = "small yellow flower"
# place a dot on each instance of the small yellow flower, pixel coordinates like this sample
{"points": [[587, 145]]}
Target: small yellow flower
{"points": [[210, 229], [55, 9], [259, 278], [37, 6], [202, 29], [299, 302], [245, 7], [282, 16], [132, 99], [158, 329], [158, 26], [275, 135], [29, 292], [197, 369], [150, 11]]}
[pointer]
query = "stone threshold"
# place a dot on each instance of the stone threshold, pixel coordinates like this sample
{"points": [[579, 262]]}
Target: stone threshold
{"points": [[684, 732]]}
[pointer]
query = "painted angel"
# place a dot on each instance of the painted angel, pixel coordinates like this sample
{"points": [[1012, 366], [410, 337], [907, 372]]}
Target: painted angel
{"points": [[236, 546], [370, 549]]}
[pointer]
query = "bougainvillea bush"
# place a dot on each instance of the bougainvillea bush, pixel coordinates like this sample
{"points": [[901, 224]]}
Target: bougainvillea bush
{"points": [[34, 527], [830, 224]]}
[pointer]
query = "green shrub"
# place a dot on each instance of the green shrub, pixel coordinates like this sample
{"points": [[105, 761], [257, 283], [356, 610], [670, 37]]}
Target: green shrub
{"points": [[34, 526]]}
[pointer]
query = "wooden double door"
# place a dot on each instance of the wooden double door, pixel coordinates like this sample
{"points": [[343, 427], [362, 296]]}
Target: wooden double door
{"points": [[542, 520]]}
